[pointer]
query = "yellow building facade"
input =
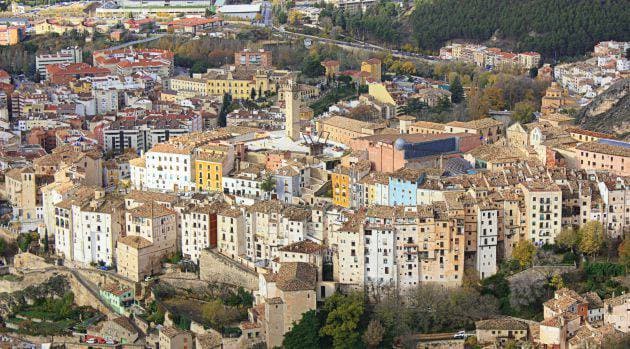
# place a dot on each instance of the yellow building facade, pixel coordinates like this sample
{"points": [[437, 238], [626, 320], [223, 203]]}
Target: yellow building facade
{"points": [[341, 189], [209, 173]]}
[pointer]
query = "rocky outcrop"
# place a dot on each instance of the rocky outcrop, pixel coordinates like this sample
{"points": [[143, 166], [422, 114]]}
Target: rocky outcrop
{"points": [[609, 112], [56, 286]]}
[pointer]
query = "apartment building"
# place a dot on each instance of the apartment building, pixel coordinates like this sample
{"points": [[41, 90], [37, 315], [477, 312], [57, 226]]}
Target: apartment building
{"points": [[611, 156], [487, 240], [199, 228], [543, 211], [231, 229], [96, 225], [151, 236], [69, 55], [11, 35], [253, 58], [212, 162], [170, 167]]}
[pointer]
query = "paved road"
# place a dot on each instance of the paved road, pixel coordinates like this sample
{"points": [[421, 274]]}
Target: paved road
{"points": [[136, 42], [360, 45]]}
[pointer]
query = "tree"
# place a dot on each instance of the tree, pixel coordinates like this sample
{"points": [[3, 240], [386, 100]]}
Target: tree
{"points": [[373, 335], [304, 334], [569, 238], [46, 243], [592, 238], [523, 112], [268, 184], [218, 315], [312, 66], [457, 90], [443, 104], [199, 67], [533, 72], [282, 17], [524, 252], [24, 241], [494, 98], [624, 252], [557, 282], [408, 68], [3, 246], [225, 107], [252, 94], [342, 322]]}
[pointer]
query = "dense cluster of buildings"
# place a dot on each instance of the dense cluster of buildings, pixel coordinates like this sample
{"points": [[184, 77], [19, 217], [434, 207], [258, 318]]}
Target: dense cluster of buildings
{"points": [[126, 164], [570, 321], [490, 57], [590, 77]]}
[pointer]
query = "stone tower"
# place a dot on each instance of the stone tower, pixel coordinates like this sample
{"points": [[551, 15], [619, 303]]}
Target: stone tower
{"points": [[292, 111]]}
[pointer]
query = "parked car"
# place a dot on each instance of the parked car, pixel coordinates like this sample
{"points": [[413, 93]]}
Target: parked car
{"points": [[460, 335]]}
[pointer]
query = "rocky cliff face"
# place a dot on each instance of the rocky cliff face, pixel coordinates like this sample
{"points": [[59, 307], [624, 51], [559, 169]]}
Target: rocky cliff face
{"points": [[609, 112], [56, 286]]}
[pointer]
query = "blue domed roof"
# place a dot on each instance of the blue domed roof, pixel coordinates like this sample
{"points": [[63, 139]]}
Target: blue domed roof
{"points": [[399, 144]]}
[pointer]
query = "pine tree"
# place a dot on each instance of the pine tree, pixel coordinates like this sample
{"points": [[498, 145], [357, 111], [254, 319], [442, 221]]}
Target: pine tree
{"points": [[46, 247], [457, 90]]}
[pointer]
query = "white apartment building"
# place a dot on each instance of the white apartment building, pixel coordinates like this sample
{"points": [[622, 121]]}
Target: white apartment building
{"points": [[348, 263], [106, 100], [487, 239], [169, 168], [231, 228], [96, 227], [137, 173], [68, 56], [140, 138], [245, 186], [198, 229], [543, 211], [379, 254], [616, 213]]}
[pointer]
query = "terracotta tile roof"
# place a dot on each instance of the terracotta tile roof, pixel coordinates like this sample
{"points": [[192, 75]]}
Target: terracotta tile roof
{"points": [[133, 241], [617, 300], [590, 133], [476, 124], [124, 323], [115, 289], [304, 246], [296, 276], [607, 149], [505, 323], [294, 213], [171, 331], [150, 196], [593, 300], [230, 212], [151, 210], [429, 125]]}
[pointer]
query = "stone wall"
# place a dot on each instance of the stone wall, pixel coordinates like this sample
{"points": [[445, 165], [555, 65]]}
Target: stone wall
{"points": [[214, 267]]}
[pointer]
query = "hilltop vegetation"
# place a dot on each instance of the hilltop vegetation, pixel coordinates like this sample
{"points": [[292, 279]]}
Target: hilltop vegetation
{"points": [[562, 28]]}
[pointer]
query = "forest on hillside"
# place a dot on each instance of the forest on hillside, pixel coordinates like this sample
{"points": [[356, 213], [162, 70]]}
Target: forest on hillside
{"points": [[556, 29]]}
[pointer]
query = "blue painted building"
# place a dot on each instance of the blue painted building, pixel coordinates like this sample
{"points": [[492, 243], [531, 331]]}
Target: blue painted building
{"points": [[403, 187]]}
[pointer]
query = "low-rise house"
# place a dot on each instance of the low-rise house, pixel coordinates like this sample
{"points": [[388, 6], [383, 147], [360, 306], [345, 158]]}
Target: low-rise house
{"points": [[595, 307], [119, 329], [501, 330], [555, 331], [117, 296], [617, 312], [174, 338]]}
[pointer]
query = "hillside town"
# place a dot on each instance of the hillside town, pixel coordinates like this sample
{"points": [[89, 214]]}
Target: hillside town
{"points": [[172, 176]]}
